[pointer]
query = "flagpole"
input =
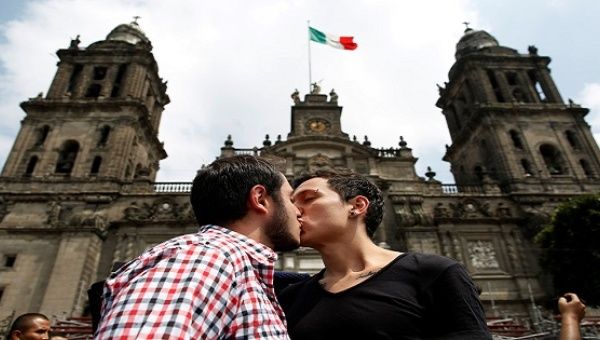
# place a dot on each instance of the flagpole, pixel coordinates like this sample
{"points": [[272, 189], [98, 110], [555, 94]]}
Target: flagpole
{"points": [[309, 66]]}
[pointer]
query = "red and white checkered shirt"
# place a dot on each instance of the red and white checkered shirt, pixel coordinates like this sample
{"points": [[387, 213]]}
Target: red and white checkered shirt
{"points": [[214, 284]]}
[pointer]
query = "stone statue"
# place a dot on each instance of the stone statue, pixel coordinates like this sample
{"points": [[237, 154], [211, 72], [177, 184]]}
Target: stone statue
{"points": [[333, 97], [532, 50], [316, 89], [75, 42], [296, 96]]}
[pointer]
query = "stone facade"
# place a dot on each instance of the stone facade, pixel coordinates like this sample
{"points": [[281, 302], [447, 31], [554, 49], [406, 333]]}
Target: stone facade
{"points": [[77, 192]]}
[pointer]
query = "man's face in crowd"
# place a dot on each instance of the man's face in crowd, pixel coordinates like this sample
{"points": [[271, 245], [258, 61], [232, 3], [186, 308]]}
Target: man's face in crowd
{"points": [[324, 214], [38, 329], [284, 228]]}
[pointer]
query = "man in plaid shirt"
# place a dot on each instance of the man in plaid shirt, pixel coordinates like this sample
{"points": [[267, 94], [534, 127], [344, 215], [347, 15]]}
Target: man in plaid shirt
{"points": [[217, 283]]}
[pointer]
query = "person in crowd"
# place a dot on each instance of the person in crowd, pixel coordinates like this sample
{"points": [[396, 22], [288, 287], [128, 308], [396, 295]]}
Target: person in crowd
{"points": [[30, 326], [218, 282], [365, 291], [572, 311]]}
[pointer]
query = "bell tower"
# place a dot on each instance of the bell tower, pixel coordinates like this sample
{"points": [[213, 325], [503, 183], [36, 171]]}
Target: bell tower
{"points": [[100, 117], [508, 122]]}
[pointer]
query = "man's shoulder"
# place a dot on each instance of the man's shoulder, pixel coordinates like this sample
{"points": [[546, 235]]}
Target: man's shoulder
{"points": [[178, 251], [199, 242]]}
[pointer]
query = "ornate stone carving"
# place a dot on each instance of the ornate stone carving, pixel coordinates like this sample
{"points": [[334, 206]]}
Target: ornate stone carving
{"points": [[319, 162], [482, 255], [164, 209], [134, 213], [440, 211], [503, 211], [93, 219], [409, 211], [470, 209], [53, 218]]}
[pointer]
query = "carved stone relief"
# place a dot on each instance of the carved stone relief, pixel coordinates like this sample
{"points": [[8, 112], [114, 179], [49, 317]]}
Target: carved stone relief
{"points": [[319, 162], [164, 209], [54, 209], [482, 255], [470, 209], [409, 211]]}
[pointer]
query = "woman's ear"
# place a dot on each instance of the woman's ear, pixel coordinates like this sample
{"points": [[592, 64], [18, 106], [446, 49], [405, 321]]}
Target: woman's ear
{"points": [[360, 204], [257, 199]]}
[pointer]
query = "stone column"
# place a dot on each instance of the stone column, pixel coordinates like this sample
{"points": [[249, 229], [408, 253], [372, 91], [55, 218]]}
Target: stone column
{"points": [[73, 272], [61, 80]]}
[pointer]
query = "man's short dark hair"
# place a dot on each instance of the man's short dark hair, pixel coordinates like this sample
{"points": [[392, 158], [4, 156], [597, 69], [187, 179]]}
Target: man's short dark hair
{"points": [[23, 322], [220, 190], [348, 185]]}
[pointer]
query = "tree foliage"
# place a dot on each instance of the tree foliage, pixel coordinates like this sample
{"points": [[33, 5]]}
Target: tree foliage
{"points": [[570, 247]]}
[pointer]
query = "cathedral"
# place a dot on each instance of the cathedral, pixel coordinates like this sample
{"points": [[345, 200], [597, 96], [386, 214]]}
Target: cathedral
{"points": [[78, 190]]}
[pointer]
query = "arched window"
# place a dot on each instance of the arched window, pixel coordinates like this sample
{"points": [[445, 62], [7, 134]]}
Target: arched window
{"points": [[585, 166], [138, 168], [478, 170], [552, 159], [42, 135], [74, 77], [66, 157], [31, 166], [116, 90], [495, 87], [572, 138], [533, 78], [96, 165], [516, 139], [526, 168], [104, 133]]}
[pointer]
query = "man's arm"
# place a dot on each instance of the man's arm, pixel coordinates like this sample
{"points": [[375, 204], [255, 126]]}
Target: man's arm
{"points": [[572, 311]]}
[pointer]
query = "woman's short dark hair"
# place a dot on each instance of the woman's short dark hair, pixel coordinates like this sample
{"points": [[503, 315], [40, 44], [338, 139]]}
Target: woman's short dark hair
{"points": [[348, 185], [220, 190]]}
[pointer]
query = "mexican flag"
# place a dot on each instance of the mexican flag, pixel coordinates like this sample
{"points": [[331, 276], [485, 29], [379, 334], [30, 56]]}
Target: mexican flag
{"points": [[344, 43]]}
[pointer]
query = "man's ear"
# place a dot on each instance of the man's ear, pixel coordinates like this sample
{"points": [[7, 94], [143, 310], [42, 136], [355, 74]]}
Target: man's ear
{"points": [[257, 199], [15, 335], [360, 204]]}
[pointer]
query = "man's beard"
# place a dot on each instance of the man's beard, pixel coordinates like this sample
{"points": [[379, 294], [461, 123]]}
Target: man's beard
{"points": [[277, 229]]}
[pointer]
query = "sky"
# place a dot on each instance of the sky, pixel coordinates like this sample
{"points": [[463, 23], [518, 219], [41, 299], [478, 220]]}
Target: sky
{"points": [[232, 65]]}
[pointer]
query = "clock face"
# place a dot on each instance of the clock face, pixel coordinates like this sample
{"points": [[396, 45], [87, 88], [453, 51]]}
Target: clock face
{"points": [[318, 125]]}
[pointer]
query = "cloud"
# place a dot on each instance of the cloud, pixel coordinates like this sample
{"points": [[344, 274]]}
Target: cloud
{"points": [[231, 66], [590, 98]]}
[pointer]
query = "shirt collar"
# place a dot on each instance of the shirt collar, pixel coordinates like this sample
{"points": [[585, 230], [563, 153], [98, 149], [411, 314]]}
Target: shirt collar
{"points": [[254, 249]]}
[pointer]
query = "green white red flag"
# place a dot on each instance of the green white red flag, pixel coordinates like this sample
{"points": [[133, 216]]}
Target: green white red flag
{"points": [[344, 43]]}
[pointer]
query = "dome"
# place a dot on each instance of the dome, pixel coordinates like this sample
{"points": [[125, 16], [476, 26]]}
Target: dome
{"points": [[130, 33], [473, 41]]}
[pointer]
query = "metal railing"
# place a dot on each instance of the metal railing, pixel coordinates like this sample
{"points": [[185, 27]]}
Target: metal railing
{"points": [[172, 186], [449, 189], [453, 189]]}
